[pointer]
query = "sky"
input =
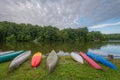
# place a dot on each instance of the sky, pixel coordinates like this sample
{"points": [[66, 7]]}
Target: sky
{"points": [[97, 15]]}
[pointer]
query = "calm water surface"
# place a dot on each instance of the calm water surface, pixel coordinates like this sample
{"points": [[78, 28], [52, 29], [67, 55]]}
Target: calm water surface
{"points": [[95, 47]]}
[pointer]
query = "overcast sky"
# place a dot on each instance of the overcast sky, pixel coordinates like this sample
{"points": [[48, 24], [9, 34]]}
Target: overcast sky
{"points": [[101, 15]]}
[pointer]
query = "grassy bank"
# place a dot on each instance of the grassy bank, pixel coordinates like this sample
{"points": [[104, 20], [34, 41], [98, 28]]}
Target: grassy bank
{"points": [[66, 69]]}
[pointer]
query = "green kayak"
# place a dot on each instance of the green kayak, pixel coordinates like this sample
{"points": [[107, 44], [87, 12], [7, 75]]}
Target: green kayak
{"points": [[10, 56]]}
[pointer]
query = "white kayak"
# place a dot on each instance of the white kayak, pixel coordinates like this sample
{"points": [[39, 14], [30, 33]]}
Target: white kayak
{"points": [[19, 60], [6, 52], [51, 61], [77, 57], [61, 53]]}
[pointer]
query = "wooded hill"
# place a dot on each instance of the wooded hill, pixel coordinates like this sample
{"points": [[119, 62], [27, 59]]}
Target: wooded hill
{"points": [[10, 31]]}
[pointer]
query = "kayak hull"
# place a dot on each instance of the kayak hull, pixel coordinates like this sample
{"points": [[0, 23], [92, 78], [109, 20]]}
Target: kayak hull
{"points": [[77, 57], [90, 61], [19, 60], [51, 61], [7, 57], [101, 60], [6, 52], [36, 59]]}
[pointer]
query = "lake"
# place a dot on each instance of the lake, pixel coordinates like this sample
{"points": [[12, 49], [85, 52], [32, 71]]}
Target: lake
{"points": [[101, 48]]}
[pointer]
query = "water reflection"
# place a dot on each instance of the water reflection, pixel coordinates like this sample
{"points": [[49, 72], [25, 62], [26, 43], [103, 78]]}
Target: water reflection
{"points": [[108, 49], [66, 47], [44, 47]]}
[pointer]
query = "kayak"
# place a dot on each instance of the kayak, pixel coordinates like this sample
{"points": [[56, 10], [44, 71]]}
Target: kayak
{"points": [[19, 60], [101, 60], [61, 53], [90, 61], [51, 61], [36, 59], [77, 57], [10, 56], [6, 52]]}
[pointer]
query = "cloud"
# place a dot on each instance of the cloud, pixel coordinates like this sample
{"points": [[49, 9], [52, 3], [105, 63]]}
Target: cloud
{"points": [[105, 25], [59, 13]]}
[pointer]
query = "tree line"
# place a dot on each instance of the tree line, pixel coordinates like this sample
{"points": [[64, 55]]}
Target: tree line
{"points": [[10, 31]]}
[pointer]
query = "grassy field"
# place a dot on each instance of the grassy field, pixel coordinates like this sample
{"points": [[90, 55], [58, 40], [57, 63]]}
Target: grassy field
{"points": [[66, 69]]}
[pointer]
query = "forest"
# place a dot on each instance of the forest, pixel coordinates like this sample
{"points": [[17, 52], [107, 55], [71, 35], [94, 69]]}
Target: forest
{"points": [[12, 32]]}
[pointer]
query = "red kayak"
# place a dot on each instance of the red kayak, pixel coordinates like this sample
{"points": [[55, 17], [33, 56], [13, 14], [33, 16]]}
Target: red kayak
{"points": [[90, 61], [36, 59]]}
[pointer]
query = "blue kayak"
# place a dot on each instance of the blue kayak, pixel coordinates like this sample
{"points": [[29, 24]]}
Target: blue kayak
{"points": [[101, 60], [10, 56]]}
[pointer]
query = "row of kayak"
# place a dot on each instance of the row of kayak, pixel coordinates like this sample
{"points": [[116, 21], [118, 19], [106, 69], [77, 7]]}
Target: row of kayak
{"points": [[92, 59], [21, 56]]}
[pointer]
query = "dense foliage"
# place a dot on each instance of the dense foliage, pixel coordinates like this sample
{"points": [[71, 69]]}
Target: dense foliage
{"points": [[113, 36], [26, 32]]}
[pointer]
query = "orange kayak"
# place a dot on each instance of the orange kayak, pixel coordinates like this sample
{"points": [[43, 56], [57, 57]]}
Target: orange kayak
{"points": [[36, 59]]}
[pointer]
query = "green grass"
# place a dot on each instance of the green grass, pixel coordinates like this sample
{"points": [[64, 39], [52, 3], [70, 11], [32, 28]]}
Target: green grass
{"points": [[66, 69]]}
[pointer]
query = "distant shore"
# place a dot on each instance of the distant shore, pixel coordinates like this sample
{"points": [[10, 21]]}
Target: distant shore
{"points": [[113, 40]]}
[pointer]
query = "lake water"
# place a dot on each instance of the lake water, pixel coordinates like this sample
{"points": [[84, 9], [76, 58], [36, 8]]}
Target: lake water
{"points": [[96, 47]]}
